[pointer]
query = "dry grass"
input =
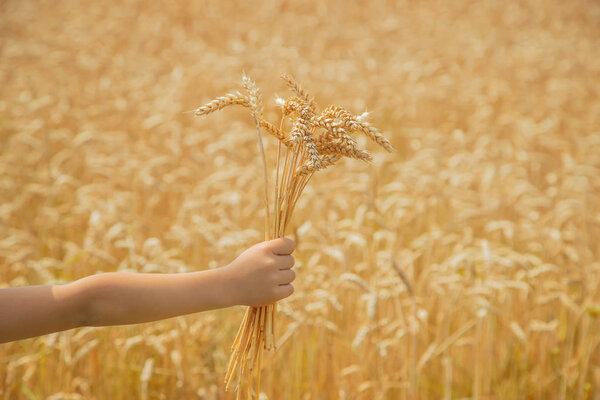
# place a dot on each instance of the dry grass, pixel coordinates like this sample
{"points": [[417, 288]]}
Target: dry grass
{"points": [[489, 207]]}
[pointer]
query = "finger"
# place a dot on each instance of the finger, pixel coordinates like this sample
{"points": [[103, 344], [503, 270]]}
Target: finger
{"points": [[285, 262], [282, 246], [284, 291], [286, 276]]}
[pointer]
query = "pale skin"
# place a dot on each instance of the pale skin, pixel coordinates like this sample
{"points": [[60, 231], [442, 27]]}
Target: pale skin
{"points": [[260, 275]]}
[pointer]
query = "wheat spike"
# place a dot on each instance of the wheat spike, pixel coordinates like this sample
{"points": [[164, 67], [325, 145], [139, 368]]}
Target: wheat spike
{"points": [[274, 131], [254, 95], [376, 136], [301, 125], [345, 148], [292, 84], [326, 161], [353, 123], [309, 142], [222, 102], [293, 105]]}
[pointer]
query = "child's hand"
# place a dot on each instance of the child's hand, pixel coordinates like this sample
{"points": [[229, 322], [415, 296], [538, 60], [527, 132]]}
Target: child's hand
{"points": [[262, 274]]}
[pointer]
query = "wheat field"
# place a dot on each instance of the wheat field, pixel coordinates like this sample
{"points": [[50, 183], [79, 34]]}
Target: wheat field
{"points": [[466, 264]]}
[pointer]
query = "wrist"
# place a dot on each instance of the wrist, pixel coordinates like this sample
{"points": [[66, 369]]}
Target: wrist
{"points": [[226, 287]]}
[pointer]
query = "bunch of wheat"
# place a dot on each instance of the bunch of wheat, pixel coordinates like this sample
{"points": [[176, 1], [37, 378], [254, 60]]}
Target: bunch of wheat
{"points": [[314, 142]]}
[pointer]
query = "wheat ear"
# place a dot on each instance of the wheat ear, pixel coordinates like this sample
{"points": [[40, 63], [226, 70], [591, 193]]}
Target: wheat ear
{"points": [[222, 102]]}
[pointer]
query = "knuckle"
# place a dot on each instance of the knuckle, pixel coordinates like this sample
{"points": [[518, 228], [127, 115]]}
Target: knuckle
{"points": [[270, 260], [290, 243], [274, 278], [266, 266]]}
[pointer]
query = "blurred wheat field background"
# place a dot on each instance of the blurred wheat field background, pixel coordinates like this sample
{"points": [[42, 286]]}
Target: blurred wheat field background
{"points": [[464, 265]]}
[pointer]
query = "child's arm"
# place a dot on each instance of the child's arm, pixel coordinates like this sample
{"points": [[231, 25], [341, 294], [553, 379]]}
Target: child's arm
{"points": [[260, 275]]}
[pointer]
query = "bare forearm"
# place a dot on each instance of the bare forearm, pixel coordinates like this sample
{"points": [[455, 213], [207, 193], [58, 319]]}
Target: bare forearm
{"points": [[37, 310], [260, 275], [120, 298], [110, 299]]}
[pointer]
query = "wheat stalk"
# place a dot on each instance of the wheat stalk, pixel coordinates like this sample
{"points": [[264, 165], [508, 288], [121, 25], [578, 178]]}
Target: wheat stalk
{"points": [[257, 111], [306, 152]]}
